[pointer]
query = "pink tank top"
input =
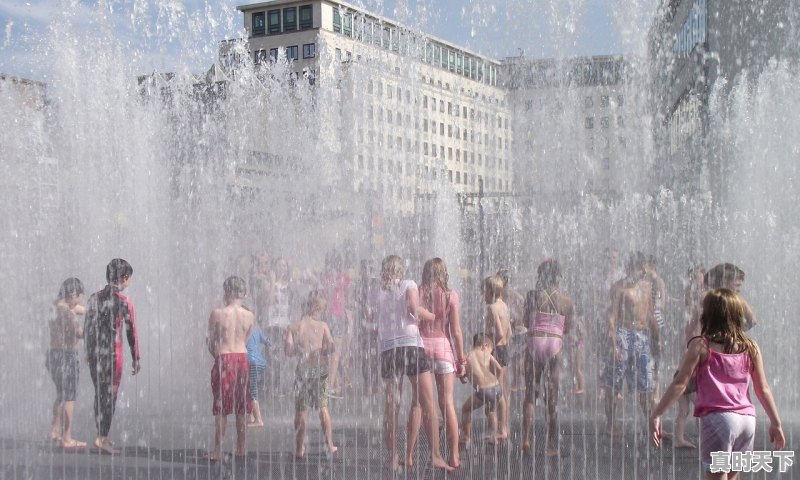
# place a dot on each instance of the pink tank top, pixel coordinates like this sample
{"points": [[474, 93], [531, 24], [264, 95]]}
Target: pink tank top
{"points": [[723, 382], [443, 304]]}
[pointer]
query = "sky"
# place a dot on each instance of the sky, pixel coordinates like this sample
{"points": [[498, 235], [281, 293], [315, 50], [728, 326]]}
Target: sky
{"points": [[168, 35]]}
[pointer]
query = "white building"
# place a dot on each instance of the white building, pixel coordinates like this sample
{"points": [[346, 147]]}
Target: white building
{"points": [[413, 109]]}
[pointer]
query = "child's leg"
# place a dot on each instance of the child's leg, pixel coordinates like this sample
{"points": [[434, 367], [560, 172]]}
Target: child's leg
{"points": [[684, 404], [393, 391], [471, 403], [422, 391], [241, 430], [327, 427], [220, 423], [444, 387], [503, 416], [413, 425], [66, 438], [57, 425], [491, 420], [577, 362], [552, 404], [300, 416], [257, 420], [533, 375]]}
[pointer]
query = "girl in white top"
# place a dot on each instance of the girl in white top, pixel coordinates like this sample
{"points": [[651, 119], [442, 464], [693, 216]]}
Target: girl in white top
{"points": [[394, 306]]}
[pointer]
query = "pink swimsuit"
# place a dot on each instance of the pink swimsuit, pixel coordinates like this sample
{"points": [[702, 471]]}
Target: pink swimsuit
{"points": [[434, 334], [540, 347]]}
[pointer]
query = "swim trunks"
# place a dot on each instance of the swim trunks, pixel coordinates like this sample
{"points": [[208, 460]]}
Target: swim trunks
{"points": [[311, 387], [230, 383], [65, 369], [488, 395], [636, 365], [400, 361]]}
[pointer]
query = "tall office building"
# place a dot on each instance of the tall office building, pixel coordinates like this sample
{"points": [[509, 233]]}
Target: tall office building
{"points": [[412, 109]]}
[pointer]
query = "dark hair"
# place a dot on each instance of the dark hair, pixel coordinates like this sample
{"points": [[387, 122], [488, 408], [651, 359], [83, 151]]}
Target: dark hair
{"points": [[722, 274], [548, 273], [480, 339], [118, 270], [234, 287], [505, 274], [636, 263], [69, 287], [315, 302]]}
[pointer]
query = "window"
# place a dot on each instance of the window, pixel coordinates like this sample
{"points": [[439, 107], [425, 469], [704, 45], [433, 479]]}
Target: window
{"points": [[337, 20], [451, 60], [273, 54], [290, 19], [260, 56], [606, 163], [309, 50], [259, 27], [589, 122], [291, 52], [441, 128], [620, 100], [605, 101], [348, 25], [274, 21], [620, 121], [337, 54], [306, 17], [588, 102], [604, 122]]}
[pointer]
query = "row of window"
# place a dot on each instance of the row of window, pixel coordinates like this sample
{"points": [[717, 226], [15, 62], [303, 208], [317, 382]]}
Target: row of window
{"points": [[604, 143], [396, 143], [290, 53], [605, 101], [269, 22], [434, 127], [405, 42], [457, 177], [605, 122]]}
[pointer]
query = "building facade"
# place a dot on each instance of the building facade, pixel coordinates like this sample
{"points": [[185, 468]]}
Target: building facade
{"points": [[414, 110]]}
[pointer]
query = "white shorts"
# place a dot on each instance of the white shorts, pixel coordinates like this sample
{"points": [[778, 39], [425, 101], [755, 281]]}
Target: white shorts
{"points": [[441, 367], [725, 432]]}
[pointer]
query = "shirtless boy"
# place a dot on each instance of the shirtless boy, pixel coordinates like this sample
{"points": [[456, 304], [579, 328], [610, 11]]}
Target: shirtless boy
{"points": [[498, 328], [310, 340], [633, 340], [482, 370], [228, 330]]}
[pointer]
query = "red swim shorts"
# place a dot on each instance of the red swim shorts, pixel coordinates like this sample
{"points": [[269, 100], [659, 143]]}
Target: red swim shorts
{"points": [[230, 383]]}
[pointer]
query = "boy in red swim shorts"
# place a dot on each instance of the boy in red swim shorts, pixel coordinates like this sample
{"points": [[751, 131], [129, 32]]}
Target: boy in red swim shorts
{"points": [[228, 330]]}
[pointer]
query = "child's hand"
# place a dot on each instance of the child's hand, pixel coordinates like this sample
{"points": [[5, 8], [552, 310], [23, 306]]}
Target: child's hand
{"points": [[655, 430], [776, 436]]}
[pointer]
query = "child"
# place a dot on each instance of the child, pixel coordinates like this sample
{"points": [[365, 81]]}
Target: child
{"points": [[498, 328], [311, 340], [482, 370], [258, 364], [549, 313], [725, 360], [228, 330], [108, 312], [63, 362]]}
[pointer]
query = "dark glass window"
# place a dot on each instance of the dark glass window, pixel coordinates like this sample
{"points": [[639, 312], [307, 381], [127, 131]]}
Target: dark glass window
{"points": [[337, 21], [274, 21], [273, 54], [348, 25], [259, 23], [289, 19], [306, 17], [309, 50], [291, 52]]}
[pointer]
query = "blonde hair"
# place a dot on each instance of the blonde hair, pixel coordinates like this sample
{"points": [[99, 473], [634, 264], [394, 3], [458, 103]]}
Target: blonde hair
{"points": [[722, 318], [434, 273], [391, 269], [494, 285]]}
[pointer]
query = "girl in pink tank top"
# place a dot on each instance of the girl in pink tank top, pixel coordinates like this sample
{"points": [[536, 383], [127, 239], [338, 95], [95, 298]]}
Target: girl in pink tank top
{"points": [[726, 360]]}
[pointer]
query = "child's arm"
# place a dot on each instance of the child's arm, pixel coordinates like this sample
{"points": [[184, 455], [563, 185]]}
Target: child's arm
{"points": [[288, 342], [613, 312], [413, 307], [328, 346], [211, 334], [689, 362], [495, 367], [569, 317], [749, 317], [457, 335], [764, 394]]}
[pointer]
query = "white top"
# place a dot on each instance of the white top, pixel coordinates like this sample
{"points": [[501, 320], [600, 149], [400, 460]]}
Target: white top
{"points": [[396, 327]]}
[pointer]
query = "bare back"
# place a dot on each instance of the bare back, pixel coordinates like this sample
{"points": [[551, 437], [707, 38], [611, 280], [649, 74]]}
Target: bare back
{"points": [[310, 340], [498, 322], [481, 368], [228, 329]]}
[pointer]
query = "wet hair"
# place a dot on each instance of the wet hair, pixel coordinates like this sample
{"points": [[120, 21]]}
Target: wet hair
{"points": [[118, 270], [234, 287], [69, 288], [652, 261], [636, 262], [722, 322], [505, 274], [494, 285], [695, 268], [722, 274], [548, 274], [480, 339], [316, 301], [391, 268], [434, 273]]}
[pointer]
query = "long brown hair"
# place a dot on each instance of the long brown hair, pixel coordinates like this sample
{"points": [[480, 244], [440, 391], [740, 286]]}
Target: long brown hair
{"points": [[434, 273], [722, 318]]}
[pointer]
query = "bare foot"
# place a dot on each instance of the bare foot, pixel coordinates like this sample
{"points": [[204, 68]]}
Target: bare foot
{"points": [[578, 391], [55, 437], [441, 464], [490, 439], [73, 444], [240, 454], [409, 462], [455, 462], [502, 436], [393, 464], [300, 454], [105, 446], [255, 424], [551, 452], [620, 397], [683, 443], [331, 451], [666, 435], [526, 448]]}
